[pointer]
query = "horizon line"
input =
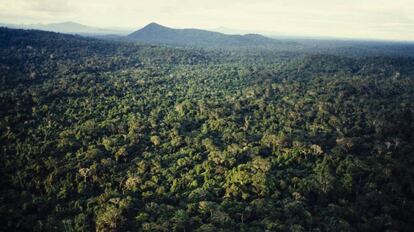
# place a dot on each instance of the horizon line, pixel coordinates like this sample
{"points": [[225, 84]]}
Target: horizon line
{"points": [[270, 34]]}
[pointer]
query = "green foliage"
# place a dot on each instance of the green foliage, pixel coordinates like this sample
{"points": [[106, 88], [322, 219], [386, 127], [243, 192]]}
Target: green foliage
{"points": [[120, 137]]}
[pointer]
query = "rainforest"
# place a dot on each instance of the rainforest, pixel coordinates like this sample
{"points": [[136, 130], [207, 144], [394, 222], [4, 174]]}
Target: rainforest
{"points": [[101, 134]]}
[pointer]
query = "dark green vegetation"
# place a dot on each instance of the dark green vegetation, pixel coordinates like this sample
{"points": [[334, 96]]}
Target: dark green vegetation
{"points": [[122, 137]]}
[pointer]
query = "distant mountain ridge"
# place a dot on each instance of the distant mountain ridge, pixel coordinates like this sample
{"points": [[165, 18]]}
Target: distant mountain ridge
{"points": [[69, 28], [155, 33]]}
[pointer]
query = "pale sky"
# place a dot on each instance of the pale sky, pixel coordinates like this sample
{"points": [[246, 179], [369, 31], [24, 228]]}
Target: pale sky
{"points": [[370, 19]]}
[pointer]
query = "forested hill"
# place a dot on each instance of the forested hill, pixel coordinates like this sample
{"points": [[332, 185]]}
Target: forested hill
{"points": [[111, 136], [154, 33], [157, 34]]}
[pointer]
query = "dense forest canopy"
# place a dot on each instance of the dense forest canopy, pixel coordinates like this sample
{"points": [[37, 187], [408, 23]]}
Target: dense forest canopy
{"points": [[111, 136]]}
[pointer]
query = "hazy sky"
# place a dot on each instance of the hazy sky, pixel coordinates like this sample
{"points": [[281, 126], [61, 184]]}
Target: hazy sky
{"points": [[373, 19]]}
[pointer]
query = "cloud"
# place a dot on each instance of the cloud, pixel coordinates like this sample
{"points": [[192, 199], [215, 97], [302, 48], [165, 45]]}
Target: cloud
{"points": [[53, 6]]}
